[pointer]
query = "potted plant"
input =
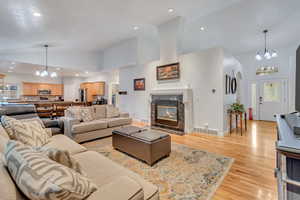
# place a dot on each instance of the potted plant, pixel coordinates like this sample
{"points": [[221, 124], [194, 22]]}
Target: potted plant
{"points": [[237, 107]]}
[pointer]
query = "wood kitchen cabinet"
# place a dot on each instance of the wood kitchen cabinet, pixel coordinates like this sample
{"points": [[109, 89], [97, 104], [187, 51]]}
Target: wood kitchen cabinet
{"points": [[93, 89], [31, 89]]}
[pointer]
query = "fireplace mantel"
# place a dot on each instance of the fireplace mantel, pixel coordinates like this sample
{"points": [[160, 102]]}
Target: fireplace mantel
{"points": [[187, 94]]}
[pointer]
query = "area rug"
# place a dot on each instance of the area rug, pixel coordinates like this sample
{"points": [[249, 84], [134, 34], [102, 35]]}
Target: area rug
{"points": [[187, 174]]}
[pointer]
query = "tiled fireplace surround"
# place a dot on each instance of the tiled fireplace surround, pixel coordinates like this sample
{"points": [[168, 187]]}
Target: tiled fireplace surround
{"points": [[171, 110]]}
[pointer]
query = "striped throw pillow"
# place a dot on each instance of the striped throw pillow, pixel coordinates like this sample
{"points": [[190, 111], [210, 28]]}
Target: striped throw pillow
{"points": [[27, 132], [62, 157], [39, 177]]}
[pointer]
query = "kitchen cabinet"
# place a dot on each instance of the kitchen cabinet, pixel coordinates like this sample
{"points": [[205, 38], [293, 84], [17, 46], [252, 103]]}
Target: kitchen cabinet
{"points": [[31, 89], [93, 89]]}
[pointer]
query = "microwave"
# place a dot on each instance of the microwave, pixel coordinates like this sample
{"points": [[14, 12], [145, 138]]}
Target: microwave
{"points": [[44, 92]]}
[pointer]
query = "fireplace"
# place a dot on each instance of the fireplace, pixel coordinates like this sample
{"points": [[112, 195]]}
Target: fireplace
{"points": [[167, 112]]}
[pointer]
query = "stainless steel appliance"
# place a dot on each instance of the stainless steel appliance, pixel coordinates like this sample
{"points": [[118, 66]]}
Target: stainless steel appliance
{"points": [[44, 92], [83, 95]]}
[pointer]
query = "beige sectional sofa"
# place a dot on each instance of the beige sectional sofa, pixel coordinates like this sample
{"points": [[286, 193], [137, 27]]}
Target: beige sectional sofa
{"points": [[114, 181], [105, 118]]}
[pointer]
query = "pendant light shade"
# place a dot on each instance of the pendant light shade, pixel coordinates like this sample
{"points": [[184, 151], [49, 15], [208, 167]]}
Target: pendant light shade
{"points": [[45, 72], [267, 54]]}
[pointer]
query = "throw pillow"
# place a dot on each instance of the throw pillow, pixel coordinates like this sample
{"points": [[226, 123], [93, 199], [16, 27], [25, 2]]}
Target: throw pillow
{"points": [[112, 111], [39, 177], [75, 113], [28, 132], [62, 157], [37, 119], [6, 123], [86, 114]]}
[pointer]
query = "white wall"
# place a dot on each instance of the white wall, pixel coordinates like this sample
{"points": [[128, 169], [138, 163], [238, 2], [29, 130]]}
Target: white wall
{"points": [[286, 61], [122, 54], [19, 78], [71, 88], [201, 71]]}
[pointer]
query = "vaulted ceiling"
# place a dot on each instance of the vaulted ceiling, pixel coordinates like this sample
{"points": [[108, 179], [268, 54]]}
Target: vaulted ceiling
{"points": [[81, 28]]}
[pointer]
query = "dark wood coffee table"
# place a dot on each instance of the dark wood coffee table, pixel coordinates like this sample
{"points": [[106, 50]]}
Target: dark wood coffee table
{"points": [[146, 145]]}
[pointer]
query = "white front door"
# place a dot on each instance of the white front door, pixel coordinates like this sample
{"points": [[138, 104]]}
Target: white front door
{"points": [[272, 98]]}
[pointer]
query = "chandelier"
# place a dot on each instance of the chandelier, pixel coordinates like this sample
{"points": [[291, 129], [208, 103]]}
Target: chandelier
{"points": [[267, 53], [45, 72]]}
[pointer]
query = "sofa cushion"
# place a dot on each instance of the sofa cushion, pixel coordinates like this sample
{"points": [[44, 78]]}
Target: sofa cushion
{"points": [[127, 189], [39, 177], [94, 125], [112, 111], [103, 171], [28, 132], [87, 114], [113, 122], [100, 111], [62, 142], [8, 189]]}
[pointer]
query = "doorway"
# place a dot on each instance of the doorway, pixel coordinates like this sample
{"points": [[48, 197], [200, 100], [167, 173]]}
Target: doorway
{"points": [[269, 97]]}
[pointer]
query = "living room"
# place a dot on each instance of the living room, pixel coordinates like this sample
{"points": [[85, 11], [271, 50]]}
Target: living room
{"points": [[173, 100]]}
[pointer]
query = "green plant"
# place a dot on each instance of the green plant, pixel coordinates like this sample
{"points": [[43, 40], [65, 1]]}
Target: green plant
{"points": [[237, 107]]}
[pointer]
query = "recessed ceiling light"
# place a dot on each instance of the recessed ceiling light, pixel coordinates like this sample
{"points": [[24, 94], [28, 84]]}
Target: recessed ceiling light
{"points": [[86, 72], [202, 28], [136, 28], [76, 74], [36, 14], [170, 10]]}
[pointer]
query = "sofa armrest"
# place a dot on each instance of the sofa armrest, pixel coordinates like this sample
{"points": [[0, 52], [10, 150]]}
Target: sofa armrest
{"points": [[125, 115], [68, 124], [127, 189]]}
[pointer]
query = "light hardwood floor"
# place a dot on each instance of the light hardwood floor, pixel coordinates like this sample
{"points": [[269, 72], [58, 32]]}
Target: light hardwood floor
{"points": [[251, 176]]}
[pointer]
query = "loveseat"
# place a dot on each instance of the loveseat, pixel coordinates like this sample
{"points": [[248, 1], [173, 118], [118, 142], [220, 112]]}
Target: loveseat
{"points": [[114, 181], [104, 118]]}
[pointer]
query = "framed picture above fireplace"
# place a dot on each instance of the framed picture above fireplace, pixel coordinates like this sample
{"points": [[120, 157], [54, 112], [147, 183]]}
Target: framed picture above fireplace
{"points": [[168, 72], [139, 84]]}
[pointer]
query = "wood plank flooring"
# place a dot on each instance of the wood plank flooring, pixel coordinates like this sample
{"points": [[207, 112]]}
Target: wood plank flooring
{"points": [[251, 176]]}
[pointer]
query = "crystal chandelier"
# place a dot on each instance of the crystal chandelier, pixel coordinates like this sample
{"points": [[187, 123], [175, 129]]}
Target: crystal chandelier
{"points": [[45, 72], [267, 53]]}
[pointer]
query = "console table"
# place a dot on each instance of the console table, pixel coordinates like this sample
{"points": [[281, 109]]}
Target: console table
{"points": [[238, 118]]}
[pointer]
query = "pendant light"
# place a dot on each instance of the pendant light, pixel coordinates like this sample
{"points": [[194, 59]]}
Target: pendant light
{"points": [[45, 72], [267, 53]]}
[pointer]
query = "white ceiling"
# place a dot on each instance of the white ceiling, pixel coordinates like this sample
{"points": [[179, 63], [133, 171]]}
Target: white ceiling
{"points": [[78, 25], [238, 28], [73, 26], [8, 67]]}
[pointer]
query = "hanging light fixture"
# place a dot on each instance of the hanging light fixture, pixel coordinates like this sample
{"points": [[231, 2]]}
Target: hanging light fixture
{"points": [[45, 72], [267, 53]]}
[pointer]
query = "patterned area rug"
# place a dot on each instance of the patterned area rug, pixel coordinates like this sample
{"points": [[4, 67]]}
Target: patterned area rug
{"points": [[187, 174]]}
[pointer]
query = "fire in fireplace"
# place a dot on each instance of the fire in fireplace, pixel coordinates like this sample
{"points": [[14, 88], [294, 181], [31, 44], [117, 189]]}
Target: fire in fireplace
{"points": [[167, 113]]}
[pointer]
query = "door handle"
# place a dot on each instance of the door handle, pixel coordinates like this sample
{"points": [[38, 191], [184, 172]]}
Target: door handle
{"points": [[260, 100]]}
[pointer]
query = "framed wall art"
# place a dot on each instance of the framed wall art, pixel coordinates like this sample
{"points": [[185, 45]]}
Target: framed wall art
{"points": [[168, 72], [139, 84]]}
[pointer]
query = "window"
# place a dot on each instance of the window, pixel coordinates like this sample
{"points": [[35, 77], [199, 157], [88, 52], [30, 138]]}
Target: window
{"points": [[8, 91], [253, 98], [271, 92]]}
